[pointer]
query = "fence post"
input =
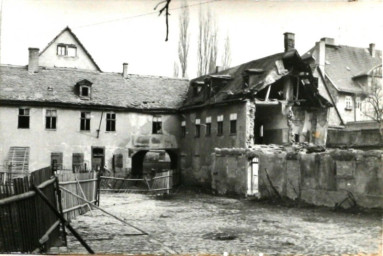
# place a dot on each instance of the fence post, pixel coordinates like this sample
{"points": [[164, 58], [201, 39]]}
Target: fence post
{"points": [[98, 184], [58, 191]]}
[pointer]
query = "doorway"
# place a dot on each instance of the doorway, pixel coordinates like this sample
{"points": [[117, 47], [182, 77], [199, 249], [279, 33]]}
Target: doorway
{"points": [[98, 158], [252, 177]]}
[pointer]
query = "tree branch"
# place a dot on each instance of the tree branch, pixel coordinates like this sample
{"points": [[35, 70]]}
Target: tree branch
{"points": [[166, 9]]}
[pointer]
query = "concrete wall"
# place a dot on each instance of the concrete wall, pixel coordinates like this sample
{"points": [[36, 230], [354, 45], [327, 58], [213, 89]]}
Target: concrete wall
{"points": [[328, 179], [133, 132], [195, 152], [49, 57]]}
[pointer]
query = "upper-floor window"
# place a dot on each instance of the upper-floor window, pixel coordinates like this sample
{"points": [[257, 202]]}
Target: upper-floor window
{"points": [[348, 102], [85, 121], [23, 118], [208, 126], [183, 129], [233, 123], [197, 127], [67, 50], [220, 125], [358, 103], [110, 122], [50, 119], [157, 125]]}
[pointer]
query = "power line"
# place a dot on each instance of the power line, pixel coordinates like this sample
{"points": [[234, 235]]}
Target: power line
{"points": [[140, 15]]}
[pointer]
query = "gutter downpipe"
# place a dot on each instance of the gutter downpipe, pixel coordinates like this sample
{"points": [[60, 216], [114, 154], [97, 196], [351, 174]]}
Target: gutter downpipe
{"points": [[328, 91], [99, 126]]}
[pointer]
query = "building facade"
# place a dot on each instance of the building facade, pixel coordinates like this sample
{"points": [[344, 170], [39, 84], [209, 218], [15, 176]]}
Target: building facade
{"points": [[345, 77], [62, 109]]}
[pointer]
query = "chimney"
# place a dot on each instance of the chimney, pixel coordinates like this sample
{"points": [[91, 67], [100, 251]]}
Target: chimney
{"points": [[328, 40], [125, 70], [321, 54], [33, 63], [372, 50], [218, 69], [289, 41]]}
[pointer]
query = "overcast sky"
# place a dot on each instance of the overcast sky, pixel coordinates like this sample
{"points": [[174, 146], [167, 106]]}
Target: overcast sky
{"points": [[117, 31]]}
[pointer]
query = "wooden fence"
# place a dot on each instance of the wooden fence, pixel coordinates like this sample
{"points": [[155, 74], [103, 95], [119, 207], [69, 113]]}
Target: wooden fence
{"points": [[26, 221], [162, 182], [83, 185]]}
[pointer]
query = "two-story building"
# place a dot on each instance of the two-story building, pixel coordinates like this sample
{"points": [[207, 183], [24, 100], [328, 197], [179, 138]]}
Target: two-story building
{"points": [[346, 76], [272, 100], [62, 109]]}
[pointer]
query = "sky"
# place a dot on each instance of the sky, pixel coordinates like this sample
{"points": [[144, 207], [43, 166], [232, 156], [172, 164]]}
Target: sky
{"points": [[118, 31]]}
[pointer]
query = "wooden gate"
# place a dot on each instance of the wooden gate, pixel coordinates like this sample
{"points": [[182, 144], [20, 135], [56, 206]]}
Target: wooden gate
{"points": [[81, 184]]}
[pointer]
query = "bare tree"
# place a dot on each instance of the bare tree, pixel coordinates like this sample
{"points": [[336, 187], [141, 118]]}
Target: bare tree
{"points": [[226, 55], [176, 70], [184, 38], [207, 42], [374, 98]]}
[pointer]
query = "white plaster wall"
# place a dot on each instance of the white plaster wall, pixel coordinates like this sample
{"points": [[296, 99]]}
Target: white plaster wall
{"points": [[68, 138], [50, 58]]}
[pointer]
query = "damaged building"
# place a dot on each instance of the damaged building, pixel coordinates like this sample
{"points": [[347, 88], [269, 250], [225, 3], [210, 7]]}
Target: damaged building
{"points": [[246, 130], [273, 100]]}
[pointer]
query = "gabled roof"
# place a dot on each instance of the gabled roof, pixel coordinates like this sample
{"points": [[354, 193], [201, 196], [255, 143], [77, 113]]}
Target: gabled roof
{"points": [[78, 41], [145, 93], [345, 62]]}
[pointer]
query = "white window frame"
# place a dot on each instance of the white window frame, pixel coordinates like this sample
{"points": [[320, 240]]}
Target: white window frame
{"points": [[348, 101]]}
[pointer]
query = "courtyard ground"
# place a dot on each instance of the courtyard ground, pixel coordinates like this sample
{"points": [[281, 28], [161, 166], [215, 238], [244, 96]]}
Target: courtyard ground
{"points": [[191, 223]]}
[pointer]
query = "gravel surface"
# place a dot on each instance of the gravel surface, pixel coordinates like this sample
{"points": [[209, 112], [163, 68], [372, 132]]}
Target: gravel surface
{"points": [[190, 223]]}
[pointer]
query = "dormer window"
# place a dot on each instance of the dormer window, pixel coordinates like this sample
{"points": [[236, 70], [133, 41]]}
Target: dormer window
{"points": [[66, 50], [84, 89]]}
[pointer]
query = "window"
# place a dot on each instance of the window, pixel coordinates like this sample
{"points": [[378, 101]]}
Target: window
{"points": [[66, 50], [220, 125], [85, 121], [358, 103], [78, 162], [233, 123], [84, 91], [23, 118], [208, 126], [61, 50], [197, 127], [56, 161], [348, 103], [110, 122], [50, 119], [183, 129], [157, 125], [72, 51]]}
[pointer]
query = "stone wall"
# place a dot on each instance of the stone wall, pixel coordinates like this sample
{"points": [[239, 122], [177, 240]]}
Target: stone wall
{"points": [[334, 177], [357, 138]]}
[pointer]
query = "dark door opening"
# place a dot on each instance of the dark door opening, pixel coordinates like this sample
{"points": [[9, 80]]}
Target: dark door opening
{"points": [[98, 158], [138, 164], [147, 161]]}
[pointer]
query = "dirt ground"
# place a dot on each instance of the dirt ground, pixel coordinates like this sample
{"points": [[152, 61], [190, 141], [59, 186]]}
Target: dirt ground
{"points": [[191, 223]]}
